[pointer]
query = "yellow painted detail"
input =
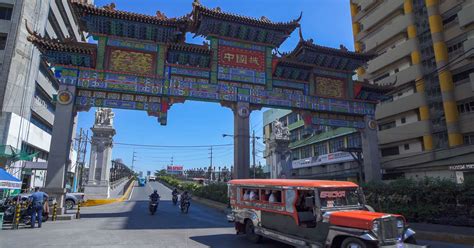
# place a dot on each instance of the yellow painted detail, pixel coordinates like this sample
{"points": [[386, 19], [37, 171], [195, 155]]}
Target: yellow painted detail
{"points": [[420, 85], [455, 139], [450, 111], [446, 81], [411, 30], [428, 142], [424, 113], [360, 71], [440, 51], [436, 24], [358, 47], [354, 9], [356, 28], [415, 57], [408, 6], [431, 2]]}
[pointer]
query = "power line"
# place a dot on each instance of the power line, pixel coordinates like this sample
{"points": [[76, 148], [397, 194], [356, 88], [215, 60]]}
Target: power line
{"points": [[173, 146]]}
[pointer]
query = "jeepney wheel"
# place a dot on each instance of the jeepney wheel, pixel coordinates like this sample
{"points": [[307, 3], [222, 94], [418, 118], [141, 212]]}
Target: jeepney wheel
{"points": [[250, 232], [353, 243]]}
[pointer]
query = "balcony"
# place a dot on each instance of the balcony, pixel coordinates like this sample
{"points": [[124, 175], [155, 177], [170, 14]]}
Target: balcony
{"points": [[364, 4], [405, 132], [469, 44], [466, 123], [465, 89], [45, 84], [397, 25], [402, 105], [391, 56], [465, 15], [383, 10], [401, 77], [41, 108]]}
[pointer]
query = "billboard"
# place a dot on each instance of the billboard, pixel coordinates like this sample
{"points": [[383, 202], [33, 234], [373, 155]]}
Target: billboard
{"points": [[174, 169]]}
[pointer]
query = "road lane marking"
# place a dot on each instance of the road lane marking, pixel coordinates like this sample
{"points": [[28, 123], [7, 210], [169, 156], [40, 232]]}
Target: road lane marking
{"points": [[131, 193]]}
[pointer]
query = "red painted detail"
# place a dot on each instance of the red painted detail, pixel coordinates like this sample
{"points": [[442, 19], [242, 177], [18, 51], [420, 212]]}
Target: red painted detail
{"points": [[293, 183], [357, 89], [164, 106], [356, 219], [241, 58]]}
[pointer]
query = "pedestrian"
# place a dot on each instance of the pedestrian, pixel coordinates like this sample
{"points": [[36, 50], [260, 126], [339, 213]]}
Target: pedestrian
{"points": [[37, 200]]}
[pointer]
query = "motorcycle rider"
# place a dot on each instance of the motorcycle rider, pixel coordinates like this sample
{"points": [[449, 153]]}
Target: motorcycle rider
{"points": [[175, 192], [155, 196], [184, 196]]}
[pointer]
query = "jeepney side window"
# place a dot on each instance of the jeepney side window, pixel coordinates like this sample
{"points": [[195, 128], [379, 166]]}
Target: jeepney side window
{"points": [[264, 195], [249, 194], [275, 196]]}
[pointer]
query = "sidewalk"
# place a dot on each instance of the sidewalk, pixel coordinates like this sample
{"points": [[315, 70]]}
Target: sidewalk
{"points": [[445, 233]]}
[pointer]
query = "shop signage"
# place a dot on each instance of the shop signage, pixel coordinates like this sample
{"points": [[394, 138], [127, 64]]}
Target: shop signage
{"points": [[462, 167], [330, 158]]}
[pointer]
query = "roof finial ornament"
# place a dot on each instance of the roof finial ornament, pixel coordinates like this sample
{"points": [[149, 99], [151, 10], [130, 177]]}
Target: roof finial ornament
{"points": [[30, 31], [265, 19], [110, 6], [218, 9], [196, 2], [299, 18], [343, 48], [300, 32], [160, 15]]}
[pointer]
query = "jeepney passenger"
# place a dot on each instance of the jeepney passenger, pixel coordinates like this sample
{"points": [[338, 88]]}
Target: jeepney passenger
{"points": [[246, 195], [253, 195]]}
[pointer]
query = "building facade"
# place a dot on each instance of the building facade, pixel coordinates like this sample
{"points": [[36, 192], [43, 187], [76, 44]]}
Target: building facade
{"points": [[316, 152], [424, 50], [27, 86]]}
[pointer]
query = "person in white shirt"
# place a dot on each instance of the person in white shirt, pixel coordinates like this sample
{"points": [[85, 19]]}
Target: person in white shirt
{"points": [[246, 195], [253, 195], [271, 198]]}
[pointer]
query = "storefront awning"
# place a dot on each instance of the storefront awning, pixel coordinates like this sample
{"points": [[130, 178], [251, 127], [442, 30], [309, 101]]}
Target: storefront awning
{"points": [[7, 181]]}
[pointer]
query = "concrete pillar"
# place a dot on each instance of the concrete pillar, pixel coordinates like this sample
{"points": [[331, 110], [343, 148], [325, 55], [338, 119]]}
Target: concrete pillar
{"points": [[241, 140], [370, 150], [58, 158], [280, 158]]}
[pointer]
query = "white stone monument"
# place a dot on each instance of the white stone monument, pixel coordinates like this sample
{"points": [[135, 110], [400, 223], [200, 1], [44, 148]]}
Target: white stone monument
{"points": [[280, 153], [97, 186]]}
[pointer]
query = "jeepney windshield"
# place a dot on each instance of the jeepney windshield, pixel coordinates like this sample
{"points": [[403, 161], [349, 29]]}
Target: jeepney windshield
{"points": [[340, 198]]}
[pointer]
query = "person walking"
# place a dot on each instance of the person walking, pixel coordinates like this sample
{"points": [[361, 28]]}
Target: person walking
{"points": [[37, 200]]}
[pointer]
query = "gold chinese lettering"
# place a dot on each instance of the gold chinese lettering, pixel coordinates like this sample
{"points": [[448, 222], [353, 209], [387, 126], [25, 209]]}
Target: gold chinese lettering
{"points": [[241, 59], [229, 57], [254, 60]]}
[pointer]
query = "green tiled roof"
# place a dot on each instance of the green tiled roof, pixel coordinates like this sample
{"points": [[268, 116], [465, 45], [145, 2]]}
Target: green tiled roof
{"points": [[321, 137], [295, 125]]}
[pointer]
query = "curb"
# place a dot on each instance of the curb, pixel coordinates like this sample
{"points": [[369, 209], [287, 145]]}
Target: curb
{"points": [[445, 237], [97, 202]]}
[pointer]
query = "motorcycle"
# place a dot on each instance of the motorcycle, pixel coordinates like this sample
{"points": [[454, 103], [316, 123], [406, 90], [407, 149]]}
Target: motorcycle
{"points": [[153, 206], [185, 205], [175, 199]]}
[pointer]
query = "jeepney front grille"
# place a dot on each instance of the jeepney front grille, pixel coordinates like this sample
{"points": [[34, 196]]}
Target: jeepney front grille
{"points": [[389, 229]]}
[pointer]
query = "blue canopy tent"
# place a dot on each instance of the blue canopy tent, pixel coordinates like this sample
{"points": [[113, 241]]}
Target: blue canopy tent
{"points": [[9, 185]]}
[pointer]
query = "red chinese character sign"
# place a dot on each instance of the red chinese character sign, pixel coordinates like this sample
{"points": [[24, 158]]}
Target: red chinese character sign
{"points": [[241, 62]]}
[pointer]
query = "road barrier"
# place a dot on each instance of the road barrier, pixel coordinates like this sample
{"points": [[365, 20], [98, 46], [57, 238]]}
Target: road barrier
{"points": [[78, 213], [17, 216], [96, 202], [55, 212]]}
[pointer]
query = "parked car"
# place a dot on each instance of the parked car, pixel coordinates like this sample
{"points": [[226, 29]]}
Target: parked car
{"points": [[70, 201]]}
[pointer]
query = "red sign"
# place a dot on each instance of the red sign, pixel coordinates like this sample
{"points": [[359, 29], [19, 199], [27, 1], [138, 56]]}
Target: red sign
{"points": [[241, 58], [175, 168], [332, 194]]}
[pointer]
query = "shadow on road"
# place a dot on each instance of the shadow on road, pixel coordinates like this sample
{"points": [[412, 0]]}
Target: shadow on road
{"points": [[222, 240]]}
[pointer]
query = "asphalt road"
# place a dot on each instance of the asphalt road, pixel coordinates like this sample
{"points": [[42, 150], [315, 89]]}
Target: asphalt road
{"points": [[129, 224]]}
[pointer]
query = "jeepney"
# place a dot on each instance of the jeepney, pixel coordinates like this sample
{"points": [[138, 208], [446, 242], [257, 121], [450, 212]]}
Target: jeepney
{"points": [[313, 213]]}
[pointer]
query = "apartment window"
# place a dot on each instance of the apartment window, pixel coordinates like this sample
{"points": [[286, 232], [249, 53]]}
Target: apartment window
{"points": [[306, 152], [460, 76], [6, 12], [469, 139], [336, 144], [3, 41], [42, 124], [455, 48], [354, 140], [466, 106], [387, 126], [320, 149], [449, 19], [406, 147], [390, 151], [292, 118], [403, 120]]}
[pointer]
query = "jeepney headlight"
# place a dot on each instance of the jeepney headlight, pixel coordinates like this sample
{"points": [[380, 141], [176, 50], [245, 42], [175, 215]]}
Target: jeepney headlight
{"points": [[376, 226]]}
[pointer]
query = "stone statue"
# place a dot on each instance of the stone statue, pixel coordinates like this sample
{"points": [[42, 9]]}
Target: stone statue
{"points": [[280, 132], [104, 117]]}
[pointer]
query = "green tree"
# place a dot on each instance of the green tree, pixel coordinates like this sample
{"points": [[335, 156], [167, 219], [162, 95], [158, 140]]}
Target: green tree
{"points": [[159, 173]]}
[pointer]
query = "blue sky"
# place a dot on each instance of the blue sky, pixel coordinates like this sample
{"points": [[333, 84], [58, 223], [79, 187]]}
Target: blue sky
{"points": [[327, 22]]}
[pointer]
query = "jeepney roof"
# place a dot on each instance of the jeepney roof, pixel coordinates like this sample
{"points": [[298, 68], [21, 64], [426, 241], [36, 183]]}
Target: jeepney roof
{"points": [[293, 183]]}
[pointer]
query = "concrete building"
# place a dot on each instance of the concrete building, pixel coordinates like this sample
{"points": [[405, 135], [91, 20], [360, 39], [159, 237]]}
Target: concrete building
{"points": [[27, 86], [315, 153], [425, 52]]}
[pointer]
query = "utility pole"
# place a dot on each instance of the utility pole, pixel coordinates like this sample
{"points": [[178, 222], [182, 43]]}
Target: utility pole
{"points": [[83, 160], [172, 163], [78, 158], [210, 170], [253, 153], [133, 159]]}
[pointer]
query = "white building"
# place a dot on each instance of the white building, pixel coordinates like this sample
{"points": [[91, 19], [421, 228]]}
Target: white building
{"points": [[27, 86]]}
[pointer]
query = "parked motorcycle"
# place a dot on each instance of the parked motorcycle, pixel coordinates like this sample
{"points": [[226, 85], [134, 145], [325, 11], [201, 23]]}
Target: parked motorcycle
{"points": [[175, 199], [185, 205], [153, 206]]}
